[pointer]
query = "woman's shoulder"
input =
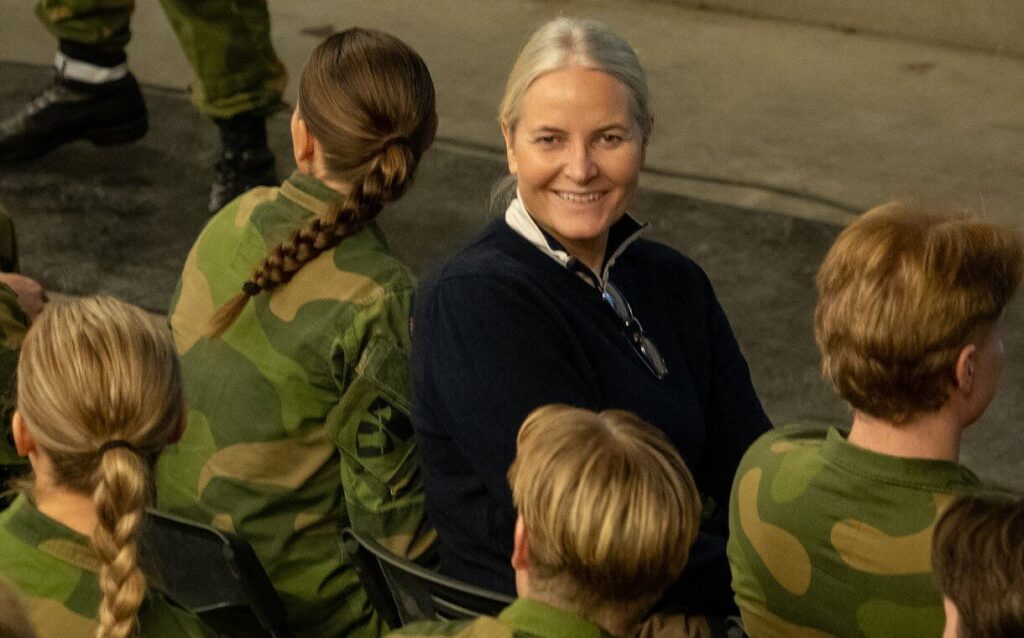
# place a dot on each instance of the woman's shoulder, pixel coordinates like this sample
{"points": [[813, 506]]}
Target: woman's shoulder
{"points": [[657, 256], [649, 263], [496, 256]]}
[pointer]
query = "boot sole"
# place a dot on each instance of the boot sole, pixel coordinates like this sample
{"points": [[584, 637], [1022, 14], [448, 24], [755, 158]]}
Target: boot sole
{"points": [[107, 136], [120, 134]]}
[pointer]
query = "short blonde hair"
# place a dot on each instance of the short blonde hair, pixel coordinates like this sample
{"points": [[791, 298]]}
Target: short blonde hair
{"points": [[978, 553], [100, 391], [900, 293], [609, 507], [568, 42]]}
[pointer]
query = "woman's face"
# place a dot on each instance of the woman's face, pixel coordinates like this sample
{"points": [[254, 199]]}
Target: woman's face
{"points": [[576, 153]]}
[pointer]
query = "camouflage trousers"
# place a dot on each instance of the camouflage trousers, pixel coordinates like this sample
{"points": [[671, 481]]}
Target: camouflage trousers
{"points": [[227, 42]]}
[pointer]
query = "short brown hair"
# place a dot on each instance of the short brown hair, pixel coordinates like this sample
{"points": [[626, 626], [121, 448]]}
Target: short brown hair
{"points": [[978, 554], [609, 507], [902, 290]]}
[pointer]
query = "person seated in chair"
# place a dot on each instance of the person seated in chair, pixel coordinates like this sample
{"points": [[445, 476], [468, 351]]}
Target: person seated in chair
{"points": [[830, 533], [607, 511], [99, 395], [978, 553]]}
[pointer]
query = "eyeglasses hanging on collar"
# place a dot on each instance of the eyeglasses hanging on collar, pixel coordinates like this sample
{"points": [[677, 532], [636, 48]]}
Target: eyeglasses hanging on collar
{"points": [[642, 344]]}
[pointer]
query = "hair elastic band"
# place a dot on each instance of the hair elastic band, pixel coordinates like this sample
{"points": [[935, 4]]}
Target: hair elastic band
{"points": [[251, 288], [395, 141], [113, 443]]}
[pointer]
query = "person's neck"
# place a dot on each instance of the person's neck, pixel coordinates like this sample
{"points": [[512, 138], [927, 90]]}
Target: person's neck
{"points": [[321, 174], [590, 253], [71, 509], [612, 620], [936, 436]]}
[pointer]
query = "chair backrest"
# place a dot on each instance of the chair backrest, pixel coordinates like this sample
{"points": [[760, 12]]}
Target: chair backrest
{"points": [[403, 592], [213, 574]]}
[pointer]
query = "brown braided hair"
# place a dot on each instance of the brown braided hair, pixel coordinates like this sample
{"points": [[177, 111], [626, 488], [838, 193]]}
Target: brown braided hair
{"points": [[100, 391], [368, 99]]}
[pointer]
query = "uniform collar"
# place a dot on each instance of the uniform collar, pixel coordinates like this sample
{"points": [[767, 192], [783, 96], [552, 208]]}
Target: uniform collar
{"points": [[317, 198], [310, 193], [622, 233], [896, 470], [539, 619], [27, 523]]}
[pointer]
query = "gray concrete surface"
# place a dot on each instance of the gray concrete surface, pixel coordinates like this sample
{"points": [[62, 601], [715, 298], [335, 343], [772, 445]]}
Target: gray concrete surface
{"points": [[993, 26], [756, 113], [768, 138]]}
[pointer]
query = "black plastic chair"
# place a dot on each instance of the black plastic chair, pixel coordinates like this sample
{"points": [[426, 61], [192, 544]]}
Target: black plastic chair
{"points": [[213, 574], [403, 592]]}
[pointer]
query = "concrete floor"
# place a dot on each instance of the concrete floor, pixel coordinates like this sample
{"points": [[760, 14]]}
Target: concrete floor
{"points": [[768, 138]]}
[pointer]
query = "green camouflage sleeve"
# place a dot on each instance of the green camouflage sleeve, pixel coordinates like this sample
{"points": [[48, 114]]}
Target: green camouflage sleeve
{"points": [[373, 431]]}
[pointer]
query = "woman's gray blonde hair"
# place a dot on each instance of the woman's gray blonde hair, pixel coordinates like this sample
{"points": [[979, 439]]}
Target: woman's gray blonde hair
{"points": [[576, 42]]}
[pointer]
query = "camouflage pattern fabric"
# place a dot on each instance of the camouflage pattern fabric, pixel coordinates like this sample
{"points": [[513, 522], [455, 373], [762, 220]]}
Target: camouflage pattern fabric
{"points": [[829, 539], [524, 618], [298, 419], [54, 570], [227, 42], [13, 326]]}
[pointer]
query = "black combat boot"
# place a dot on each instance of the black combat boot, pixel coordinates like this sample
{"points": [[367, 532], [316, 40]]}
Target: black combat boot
{"points": [[108, 113], [245, 160]]}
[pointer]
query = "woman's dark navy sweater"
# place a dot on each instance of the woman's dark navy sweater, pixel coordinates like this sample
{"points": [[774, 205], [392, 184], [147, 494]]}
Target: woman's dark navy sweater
{"points": [[503, 329]]}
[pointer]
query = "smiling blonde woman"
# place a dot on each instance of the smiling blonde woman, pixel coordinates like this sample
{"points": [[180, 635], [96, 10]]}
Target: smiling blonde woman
{"points": [[560, 301]]}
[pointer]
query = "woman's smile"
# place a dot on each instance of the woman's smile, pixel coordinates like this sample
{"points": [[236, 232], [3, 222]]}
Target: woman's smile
{"points": [[576, 153]]}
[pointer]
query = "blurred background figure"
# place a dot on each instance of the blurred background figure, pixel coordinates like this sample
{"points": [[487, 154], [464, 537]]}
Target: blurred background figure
{"points": [[21, 301], [237, 81]]}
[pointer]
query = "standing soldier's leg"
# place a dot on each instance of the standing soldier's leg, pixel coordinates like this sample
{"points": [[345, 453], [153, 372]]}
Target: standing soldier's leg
{"points": [[238, 82], [94, 96]]}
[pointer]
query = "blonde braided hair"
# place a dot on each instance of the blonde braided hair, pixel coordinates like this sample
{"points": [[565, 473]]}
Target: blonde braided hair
{"points": [[368, 99], [100, 391]]}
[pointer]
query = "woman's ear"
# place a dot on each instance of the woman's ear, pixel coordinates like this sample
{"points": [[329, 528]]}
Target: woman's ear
{"points": [[23, 441], [965, 368], [520, 547], [521, 558], [302, 143], [510, 152]]}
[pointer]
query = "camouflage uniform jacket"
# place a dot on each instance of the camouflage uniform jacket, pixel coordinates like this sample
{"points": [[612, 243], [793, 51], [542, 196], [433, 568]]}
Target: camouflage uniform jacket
{"points": [[829, 539], [13, 326], [55, 571], [298, 415], [524, 618]]}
